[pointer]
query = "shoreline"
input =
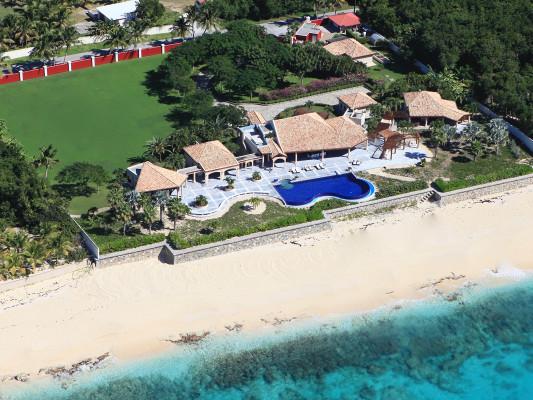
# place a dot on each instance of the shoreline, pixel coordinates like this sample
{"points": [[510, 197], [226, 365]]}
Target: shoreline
{"points": [[374, 262]]}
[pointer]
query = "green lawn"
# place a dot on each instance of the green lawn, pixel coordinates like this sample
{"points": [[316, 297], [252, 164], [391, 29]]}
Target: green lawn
{"points": [[4, 11], [101, 115]]}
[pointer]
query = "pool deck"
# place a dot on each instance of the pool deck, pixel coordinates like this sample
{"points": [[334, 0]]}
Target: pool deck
{"points": [[218, 198]]}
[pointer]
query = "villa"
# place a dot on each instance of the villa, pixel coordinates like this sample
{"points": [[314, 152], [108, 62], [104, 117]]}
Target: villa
{"points": [[310, 32], [353, 49], [342, 22], [356, 106], [424, 106]]}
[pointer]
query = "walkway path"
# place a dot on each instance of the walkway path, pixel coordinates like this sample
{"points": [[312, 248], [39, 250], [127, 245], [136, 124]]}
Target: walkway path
{"points": [[269, 111]]}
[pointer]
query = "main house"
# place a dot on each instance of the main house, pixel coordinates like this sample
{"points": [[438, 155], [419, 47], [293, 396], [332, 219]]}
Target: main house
{"points": [[302, 136]]}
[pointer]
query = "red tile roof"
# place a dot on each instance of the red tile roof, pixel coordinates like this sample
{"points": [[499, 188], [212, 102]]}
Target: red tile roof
{"points": [[345, 20]]}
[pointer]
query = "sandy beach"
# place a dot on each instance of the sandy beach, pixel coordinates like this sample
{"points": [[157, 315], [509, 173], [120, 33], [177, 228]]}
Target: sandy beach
{"points": [[130, 310]]}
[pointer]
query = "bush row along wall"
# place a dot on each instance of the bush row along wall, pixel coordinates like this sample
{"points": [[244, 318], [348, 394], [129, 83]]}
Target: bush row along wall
{"points": [[483, 190], [86, 63]]}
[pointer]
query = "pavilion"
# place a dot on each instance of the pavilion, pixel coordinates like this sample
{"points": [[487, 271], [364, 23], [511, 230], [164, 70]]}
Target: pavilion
{"points": [[428, 106], [209, 158], [148, 178], [356, 105], [353, 49]]}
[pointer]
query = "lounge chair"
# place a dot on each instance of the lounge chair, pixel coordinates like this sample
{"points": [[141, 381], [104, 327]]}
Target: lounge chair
{"points": [[317, 166], [298, 170], [322, 165]]}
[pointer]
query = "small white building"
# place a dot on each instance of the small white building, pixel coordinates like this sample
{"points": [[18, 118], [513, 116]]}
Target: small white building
{"points": [[356, 106], [119, 12]]}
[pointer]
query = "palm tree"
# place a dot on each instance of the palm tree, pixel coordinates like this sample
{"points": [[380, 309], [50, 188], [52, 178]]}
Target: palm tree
{"points": [[182, 26], [46, 158], [254, 202], [69, 38], [119, 37], [35, 254], [15, 266], [160, 200], [101, 29], [136, 33], [177, 210], [17, 241], [149, 213], [208, 18], [157, 147], [47, 45], [193, 16]]}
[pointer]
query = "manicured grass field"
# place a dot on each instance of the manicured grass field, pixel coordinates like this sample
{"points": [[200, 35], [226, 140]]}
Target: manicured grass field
{"points": [[100, 115]]}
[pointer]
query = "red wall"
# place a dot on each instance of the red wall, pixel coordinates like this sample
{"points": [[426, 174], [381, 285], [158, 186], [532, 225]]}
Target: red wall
{"points": [[57, 69], [81, 64], [104, 59], [128, 55], [9, 78], [151, 51], [87, 63], [33, 73], [169, 47]]}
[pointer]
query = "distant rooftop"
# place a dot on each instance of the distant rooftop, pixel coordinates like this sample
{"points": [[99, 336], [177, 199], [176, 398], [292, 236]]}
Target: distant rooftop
{"points": [[118, 11], [430, 104], [211, 156], [349, 47], [154, 178], [308, 28], [357, 100], [345, 20]]}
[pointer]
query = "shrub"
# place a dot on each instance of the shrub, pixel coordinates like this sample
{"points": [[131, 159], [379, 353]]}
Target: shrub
{"points": [[119, 243], [318, 85], [179, 242], [200, 201], [395, 189], [509, 172], [256, 176]]}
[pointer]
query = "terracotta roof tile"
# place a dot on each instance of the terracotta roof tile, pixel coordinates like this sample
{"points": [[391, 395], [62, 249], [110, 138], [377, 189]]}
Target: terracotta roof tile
{"points": [[430, 104], [357, 100], [153, 178], [345, 20], [349, 47], [311, 133], [211, 156], [256, 118]]}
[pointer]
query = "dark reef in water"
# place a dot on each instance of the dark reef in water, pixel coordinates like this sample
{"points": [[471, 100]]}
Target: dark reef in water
{"points": [[424, 348]]}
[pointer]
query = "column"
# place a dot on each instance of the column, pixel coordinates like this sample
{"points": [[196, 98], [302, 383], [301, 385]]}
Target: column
{"points": [[349, 155], [45, 67], [69, 66], [93, 61], [116, 56], [322, 156], [140, 52], [163, 48], [21, 75], [295, 158]]}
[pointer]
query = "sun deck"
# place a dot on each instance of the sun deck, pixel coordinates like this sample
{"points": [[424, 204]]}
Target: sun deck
{"points": [[219, 198]]}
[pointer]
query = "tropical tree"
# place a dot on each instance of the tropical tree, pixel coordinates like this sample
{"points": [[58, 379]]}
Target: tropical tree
{"points": [[46, 158], [200, 201], [119, 37], [230, 182], [498, 133], [149, 214], [438, 136], [254, 202], [47, 45], [182, 26], [135, 32], [160, 200], [35, 254], [208, 18], [149, 12], [157, 147], [123, 213], [256, 176], [193, 16], [476, 148], [69, 38], [60, 246], [177, 210]]}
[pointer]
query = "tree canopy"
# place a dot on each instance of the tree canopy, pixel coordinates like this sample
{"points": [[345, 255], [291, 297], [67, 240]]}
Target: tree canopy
{"points": [[487, 41]]}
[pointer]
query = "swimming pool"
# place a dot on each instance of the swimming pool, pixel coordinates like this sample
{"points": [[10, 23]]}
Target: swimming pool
{"points": [[346, 187]]}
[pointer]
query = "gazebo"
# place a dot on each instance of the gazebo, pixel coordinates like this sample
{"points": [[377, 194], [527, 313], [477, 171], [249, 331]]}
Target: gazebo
{"points": [[210, 158], [147, 177]]}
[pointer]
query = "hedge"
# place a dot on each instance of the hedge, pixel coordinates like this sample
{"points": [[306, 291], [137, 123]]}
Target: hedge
{"points": [[113, 244], [179, 242], [395, 189], [461, 183]]}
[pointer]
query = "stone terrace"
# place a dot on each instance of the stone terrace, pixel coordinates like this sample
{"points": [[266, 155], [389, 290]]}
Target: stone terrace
{"points": [[219, 199]]}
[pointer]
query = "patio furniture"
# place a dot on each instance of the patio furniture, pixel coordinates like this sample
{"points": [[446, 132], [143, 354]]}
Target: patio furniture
{"points": [[297, 170], [317, 166]]}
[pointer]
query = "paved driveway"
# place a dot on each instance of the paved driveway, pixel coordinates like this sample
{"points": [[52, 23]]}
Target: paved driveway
{"points": [[269, 111]]}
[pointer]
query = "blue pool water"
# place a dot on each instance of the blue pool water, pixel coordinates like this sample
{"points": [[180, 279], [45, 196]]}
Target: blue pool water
{"points": [[346, 187], [478, 346]]}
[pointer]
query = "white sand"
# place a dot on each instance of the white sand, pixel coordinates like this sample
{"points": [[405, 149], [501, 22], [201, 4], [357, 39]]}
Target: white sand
{"points": [[130, 309]]}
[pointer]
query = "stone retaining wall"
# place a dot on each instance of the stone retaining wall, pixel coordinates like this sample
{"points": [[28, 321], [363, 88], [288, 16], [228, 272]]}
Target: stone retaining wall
{"points": [[172, 256], [131, 255], [483, 190], [373, 205]]}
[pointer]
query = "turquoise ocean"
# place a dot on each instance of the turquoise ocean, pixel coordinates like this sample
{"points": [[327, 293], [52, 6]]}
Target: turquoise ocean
{"points": [[477, 345]]}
